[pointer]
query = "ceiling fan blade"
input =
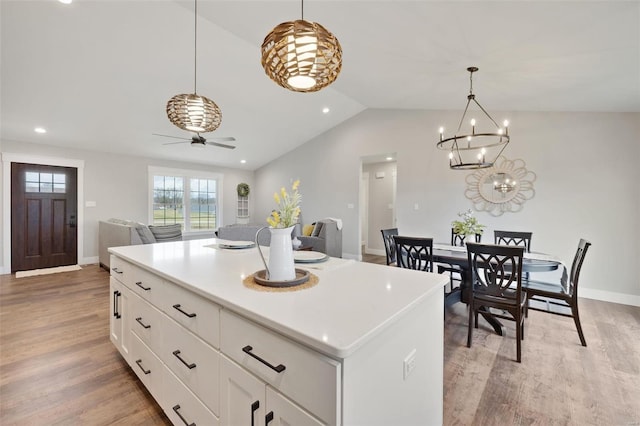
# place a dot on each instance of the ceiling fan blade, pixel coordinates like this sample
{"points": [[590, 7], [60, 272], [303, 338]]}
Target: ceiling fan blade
{"points": [[169, 136], [221, 145], [223, 139], [173, 143]]}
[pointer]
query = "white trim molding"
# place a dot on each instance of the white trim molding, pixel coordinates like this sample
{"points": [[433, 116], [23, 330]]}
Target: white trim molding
{"points": [[609, 296], [7, 159]]}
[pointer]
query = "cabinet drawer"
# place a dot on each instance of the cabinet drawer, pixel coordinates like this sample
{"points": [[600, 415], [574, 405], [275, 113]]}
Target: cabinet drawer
{"points": [[193, 361], [121, 270], [309, 378], [147, 367], [145, 284], [196, 313], [182, 406], [146, 322]]}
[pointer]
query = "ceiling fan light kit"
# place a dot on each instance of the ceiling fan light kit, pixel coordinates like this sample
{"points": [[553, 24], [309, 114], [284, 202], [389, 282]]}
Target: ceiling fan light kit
{"points": [[301, 56], [474, 149], [193, 112]]}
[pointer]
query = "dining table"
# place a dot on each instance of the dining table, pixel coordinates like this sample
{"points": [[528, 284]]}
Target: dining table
{"points": [[457, 255]]}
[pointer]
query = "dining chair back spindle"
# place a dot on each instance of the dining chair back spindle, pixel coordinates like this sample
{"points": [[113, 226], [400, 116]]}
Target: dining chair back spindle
{"points": [[513, 238], [456, 274], [414, 253], [557, 296], [389, 244], [460, 239], [496, 277]]}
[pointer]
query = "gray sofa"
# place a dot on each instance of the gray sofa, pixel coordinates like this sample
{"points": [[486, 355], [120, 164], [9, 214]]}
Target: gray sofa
{"points": [[244, 232], [119, 232], [328, 239]]}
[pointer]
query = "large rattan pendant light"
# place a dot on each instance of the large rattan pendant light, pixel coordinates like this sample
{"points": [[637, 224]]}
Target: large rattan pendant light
{"points": [[475, 149], [193, 112], [301, 56]]}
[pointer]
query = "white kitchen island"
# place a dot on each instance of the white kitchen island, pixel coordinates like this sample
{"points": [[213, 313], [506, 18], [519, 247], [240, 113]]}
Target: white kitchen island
{"points": [[364, 346]]}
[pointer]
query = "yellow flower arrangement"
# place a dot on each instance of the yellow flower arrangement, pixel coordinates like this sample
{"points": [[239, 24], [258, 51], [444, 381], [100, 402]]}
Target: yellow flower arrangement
{"points": [[288, 205]]}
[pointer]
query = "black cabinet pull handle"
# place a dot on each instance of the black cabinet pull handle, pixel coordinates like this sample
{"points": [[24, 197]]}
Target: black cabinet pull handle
{"points": [[116, 305], [254, 407], [175, 410], [268, 418], [278, 368], [116, 270], [189, 366], [139, 319], [186, 313], [139, 362], [139, 284]]}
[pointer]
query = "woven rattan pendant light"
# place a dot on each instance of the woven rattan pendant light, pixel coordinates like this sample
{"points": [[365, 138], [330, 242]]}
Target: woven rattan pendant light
{"points": [[193, 112], [301, 56]]}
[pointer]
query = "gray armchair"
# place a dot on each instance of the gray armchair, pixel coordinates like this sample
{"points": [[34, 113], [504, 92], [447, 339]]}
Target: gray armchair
{"points": [[328, 240]]}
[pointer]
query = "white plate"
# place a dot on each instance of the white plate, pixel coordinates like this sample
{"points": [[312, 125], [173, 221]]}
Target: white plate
{"points": [[235, 244], [306, 256]]}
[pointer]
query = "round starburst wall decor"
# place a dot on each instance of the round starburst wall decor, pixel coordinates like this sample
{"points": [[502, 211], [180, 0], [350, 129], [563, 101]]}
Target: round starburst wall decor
{"points": [[504, 187]]}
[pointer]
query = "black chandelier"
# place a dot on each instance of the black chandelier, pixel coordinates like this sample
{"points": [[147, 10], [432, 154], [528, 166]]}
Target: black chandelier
{"points": [[474, 150]]}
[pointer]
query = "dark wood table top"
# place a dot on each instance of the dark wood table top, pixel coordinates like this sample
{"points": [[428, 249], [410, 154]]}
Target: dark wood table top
{"points": [[459, 257]]}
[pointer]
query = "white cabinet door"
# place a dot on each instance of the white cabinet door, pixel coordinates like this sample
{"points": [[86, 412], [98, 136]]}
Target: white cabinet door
{"points": [[282, 412], [241, 396], [120, 327]]}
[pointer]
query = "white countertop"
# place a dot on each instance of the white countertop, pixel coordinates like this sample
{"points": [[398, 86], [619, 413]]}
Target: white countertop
{"points": [[352, 301]]}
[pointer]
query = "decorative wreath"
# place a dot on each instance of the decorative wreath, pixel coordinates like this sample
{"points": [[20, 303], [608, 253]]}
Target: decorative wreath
{"points": [[243, 190]]}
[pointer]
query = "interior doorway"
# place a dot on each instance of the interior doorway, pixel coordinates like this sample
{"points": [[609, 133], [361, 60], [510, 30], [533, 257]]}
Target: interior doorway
{"points": [[377, 200]]}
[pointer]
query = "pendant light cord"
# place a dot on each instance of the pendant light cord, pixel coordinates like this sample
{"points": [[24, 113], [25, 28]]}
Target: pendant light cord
{"points": [[195, 48], [302, 7]]}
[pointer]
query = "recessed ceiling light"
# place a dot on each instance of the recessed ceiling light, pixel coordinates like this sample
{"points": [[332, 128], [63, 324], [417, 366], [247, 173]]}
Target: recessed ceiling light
{"points": [[389, 158], [40, 130], [243, 161], [65, 1], [325, 110]]}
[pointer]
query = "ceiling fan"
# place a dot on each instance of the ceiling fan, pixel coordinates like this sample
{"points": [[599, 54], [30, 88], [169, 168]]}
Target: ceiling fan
{"points": [[197, 140]]}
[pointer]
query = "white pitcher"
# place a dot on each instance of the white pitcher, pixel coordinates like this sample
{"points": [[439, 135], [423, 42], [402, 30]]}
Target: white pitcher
{"points": [[281, 266]]}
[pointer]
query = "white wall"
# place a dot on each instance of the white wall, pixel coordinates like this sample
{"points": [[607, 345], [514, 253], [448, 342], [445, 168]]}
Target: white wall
{"points": [[587, 167], [119, 186]]}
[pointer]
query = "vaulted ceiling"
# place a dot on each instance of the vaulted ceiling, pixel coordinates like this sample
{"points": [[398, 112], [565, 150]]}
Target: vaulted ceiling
{"points": [[97, 73]]}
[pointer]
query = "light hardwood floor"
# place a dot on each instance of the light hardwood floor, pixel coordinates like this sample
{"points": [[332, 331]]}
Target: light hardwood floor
{"points": [[58, 367]]}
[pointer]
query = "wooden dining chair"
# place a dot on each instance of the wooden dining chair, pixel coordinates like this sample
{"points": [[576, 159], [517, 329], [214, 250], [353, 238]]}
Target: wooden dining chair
{"points": [[496, 277], [456, 274], [389, 245], [513, 238], [559, 296], [414, 253]]}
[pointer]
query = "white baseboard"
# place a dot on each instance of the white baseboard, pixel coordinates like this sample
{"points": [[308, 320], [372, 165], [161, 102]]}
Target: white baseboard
{"points": [[4, 270], [609, 296], [89, 260], [352, 256], [376, 252]]}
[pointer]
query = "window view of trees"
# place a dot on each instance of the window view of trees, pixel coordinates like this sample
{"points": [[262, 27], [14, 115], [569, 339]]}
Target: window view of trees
{"points": [[172, 198]]}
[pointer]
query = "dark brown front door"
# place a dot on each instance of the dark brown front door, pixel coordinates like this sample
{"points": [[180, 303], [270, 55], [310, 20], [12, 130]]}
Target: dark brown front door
{"points": [[44, 205]]}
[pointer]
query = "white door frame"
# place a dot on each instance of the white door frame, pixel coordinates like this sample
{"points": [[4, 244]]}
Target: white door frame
{"points": [[7, 159]]}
